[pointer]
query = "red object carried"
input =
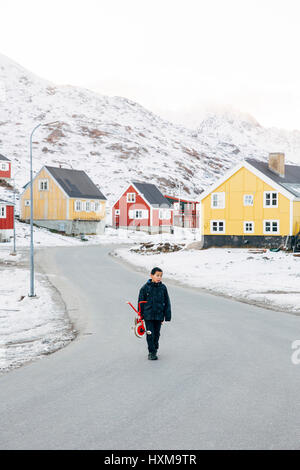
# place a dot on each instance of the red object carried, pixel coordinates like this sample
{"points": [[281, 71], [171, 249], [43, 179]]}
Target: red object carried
{"points": [[139, 325]]}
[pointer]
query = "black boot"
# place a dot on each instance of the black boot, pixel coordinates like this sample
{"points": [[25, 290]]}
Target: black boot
{"points": [[152, 356]]}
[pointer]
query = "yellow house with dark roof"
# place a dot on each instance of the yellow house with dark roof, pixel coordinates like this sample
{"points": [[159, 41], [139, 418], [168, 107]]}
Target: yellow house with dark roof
{"points": [[65, 200], [255, 204]]}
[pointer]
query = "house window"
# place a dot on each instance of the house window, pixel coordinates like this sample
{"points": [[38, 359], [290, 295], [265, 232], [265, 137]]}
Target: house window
{"points": [[43, 185], [97, 207], [270, 199], [117, 212], [138, 214], [217, 226], [218, 200], [248, 200], [164, 214], [78, 206], [4, 166], [2, 212], [27, 202], [271, 226], [130, 197], [88, 206], [92, 206], [176, 206], [248, 227]]}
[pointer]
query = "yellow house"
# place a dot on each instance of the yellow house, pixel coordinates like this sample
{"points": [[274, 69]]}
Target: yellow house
{"points": [[255, 204], [65, 200]]}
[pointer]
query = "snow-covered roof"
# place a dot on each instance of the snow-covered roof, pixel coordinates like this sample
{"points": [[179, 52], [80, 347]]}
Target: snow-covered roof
{"points": [[2, 201]]}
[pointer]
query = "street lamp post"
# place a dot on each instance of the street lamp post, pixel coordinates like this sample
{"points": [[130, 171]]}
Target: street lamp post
{"points": [[31, 293]]}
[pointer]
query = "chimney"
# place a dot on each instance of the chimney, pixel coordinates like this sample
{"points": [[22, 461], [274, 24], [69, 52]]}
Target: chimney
{"points": [[276, 163]]}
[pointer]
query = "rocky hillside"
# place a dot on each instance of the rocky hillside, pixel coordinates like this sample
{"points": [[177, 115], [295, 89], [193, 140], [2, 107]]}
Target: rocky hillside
{"points": [[116, 140]]}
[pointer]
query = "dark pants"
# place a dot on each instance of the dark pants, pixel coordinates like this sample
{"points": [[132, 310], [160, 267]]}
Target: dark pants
{"points": [[152, 340]]}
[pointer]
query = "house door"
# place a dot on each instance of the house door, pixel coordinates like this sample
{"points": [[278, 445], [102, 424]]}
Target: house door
{"points": [[117, 219]]}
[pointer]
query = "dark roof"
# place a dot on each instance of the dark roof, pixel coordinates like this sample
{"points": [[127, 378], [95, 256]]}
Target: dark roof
{"points": [[290, 180], [151, 193], [4, 158], [76, 183], [6, 202], [176, 199]]}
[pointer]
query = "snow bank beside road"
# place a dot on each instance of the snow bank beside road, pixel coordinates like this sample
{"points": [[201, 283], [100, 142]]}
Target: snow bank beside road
{"points": [[29, 327], [268, 279]]}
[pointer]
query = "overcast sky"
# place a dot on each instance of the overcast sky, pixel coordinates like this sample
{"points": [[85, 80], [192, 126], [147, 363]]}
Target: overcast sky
{"points": [[173, 57]]}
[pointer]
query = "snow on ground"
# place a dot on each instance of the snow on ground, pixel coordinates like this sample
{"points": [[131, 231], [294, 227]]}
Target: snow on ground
{"points": [[43, 237], [29, 327], [268, 279]]}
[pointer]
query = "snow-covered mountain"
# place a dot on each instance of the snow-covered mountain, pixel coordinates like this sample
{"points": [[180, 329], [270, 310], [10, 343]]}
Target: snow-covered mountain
{"points": [[116, 140]]}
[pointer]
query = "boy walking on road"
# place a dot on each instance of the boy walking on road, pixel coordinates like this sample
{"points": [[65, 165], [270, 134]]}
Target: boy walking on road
{"points": [[156, 310]]}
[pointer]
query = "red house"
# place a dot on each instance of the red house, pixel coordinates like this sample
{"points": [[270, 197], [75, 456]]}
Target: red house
{"points": [[186, 213], [6, 220], [142, 207], [5, 168]]}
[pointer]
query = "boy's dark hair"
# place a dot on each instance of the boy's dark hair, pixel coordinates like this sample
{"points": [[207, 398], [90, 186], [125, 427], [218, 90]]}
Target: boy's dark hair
{"points": [[155, 270]]}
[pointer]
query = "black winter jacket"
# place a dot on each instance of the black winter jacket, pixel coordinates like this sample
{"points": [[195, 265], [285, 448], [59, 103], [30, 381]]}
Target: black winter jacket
{"points": [[158, 306]]}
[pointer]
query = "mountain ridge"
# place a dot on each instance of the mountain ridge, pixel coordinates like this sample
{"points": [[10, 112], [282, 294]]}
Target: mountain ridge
{"points": [[116, 140]]}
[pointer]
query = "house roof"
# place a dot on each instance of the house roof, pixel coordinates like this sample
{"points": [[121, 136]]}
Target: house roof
{"points": [[176, 199], [6, 202], [76, 183], [290, 180], [151, 193], [4, 158]]}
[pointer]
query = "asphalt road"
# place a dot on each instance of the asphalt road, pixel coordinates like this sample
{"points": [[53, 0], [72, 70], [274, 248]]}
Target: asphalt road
{"points": [[224, 378]]}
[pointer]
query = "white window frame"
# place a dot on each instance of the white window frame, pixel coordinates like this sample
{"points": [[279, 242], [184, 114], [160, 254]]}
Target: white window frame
{"points": [[42, 183], [245, 228], [130, 197], [220, 200], [164, 214], [138, 214], [2, 212], [271, 221], [117, 211], [87, 206], [247, 203], [4, 167], [266, 206], [97, 207], [27, 202], [92, 207], [218, 226], [76, 204]]}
